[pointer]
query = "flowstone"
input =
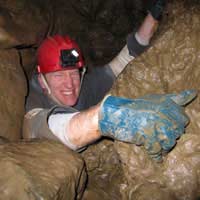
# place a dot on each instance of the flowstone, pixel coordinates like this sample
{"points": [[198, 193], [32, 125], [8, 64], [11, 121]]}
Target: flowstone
{"points": [[40, 170], [170, 65]]}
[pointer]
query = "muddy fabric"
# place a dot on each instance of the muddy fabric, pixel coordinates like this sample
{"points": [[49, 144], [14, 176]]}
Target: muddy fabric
{"points": [[35, 125], [40, 170], [13, 91], [171, 65]]}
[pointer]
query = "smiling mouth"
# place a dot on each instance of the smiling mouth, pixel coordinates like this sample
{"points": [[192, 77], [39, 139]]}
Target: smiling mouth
{"points": [[67, 93]]}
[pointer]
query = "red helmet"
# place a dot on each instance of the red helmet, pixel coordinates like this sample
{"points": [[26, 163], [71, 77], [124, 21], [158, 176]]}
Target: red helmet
{"points": [[59, 53]]}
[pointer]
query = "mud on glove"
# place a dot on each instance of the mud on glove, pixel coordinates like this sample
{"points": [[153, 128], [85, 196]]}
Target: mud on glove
{"points": [[154, 121]]}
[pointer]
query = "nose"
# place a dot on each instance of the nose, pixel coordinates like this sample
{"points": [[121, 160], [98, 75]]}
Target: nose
{"points": [[68, 81]]}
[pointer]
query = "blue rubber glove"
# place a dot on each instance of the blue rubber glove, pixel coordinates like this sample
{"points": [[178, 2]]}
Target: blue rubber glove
{"points": [[154, 121]]}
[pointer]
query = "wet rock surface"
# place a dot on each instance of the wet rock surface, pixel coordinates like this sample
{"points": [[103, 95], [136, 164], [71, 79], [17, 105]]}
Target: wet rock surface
{"points": [[105, 175], [40, 170], [12, 98], [170, 65], [22, 23]]}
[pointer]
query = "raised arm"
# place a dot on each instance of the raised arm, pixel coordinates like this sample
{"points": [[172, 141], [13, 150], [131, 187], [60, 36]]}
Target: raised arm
{"points": [[137, 42]]}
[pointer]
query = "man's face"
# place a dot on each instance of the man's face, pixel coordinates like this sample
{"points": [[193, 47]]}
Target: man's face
{"points": [[64, 85]]}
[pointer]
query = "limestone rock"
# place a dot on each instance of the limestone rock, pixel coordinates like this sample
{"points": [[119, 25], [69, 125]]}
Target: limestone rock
{"points": [[3, 140], [170, 65], [13, 91], [40, 170], [22, 23], [105, 175]]}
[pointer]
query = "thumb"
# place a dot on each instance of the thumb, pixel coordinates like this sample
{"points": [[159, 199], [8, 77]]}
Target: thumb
{"points": [[184, 97]]}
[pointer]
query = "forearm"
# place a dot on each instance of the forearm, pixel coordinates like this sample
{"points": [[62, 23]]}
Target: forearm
{"points": [[136, 44], [120, 61], [83, 127], [62, 125], [146, 30]]}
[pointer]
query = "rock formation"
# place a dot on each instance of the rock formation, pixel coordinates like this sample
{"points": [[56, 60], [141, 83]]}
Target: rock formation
{"points": [[40, 170], [13, 91], [21, 27], [170, 65]]}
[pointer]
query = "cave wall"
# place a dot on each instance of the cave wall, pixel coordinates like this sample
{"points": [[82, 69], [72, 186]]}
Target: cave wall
{"points": [[22, 27], [170, 65], [12, 90]]}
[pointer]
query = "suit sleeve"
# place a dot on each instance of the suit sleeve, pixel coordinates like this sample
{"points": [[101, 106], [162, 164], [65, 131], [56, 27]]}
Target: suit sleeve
{"points": [[49, 124]]}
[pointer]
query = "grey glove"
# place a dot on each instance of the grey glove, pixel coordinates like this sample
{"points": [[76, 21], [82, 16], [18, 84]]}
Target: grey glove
{"points": [[156, 8]]}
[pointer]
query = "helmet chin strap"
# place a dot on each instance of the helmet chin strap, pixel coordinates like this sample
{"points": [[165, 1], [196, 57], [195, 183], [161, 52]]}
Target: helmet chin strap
{"points": [[45, 84], [82, 77], [49, 90], [49, 93]]}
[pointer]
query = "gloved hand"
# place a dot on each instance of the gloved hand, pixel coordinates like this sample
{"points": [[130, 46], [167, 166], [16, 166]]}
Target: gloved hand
{"points": [[154, 121], [156, 8]]}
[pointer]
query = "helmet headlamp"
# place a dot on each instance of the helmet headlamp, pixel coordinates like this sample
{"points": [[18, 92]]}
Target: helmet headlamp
{"points": [[69, 57]]}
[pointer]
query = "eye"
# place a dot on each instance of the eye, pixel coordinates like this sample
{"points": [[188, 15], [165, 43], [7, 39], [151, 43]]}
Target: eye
{"points": [[58, 75], [75, 74]]}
